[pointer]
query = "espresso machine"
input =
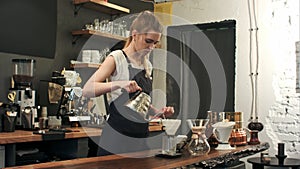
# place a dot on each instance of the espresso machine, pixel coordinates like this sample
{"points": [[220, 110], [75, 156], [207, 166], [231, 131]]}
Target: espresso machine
{"points": [[22, 94]]}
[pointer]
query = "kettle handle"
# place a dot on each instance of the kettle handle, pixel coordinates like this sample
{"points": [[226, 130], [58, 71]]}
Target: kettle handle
{"points": [[133, 95]]}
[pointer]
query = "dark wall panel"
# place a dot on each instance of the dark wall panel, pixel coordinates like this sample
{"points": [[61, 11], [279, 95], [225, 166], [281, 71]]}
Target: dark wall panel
{"points": [[222, 36], [28, 27]]}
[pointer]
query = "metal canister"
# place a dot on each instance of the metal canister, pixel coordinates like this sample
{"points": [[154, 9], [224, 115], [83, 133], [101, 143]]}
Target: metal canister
{"points": [[238, 136], [237, 117]]}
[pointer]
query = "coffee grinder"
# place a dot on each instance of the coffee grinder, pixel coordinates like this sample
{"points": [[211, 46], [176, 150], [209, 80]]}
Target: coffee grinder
{"points": [[21, 87]]}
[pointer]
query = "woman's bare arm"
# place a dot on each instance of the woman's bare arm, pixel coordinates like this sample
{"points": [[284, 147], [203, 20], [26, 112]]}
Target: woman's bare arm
{"points": [[97, 86]]}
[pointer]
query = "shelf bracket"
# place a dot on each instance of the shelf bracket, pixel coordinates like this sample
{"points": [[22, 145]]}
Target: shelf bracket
{"points": [[77, 7], [114, 16], [75, 38]]}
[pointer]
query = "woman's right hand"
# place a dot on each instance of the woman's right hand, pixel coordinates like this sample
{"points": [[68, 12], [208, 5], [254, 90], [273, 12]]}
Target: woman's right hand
{"points": [[131, 86]]}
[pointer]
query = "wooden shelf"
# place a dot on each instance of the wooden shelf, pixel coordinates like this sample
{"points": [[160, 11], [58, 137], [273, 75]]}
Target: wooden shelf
{"points": [[85, 65], [97, 33], [102, 6]]}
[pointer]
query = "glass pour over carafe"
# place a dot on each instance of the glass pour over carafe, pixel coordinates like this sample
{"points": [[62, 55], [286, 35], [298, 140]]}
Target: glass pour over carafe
{"points": [[198, 144]]}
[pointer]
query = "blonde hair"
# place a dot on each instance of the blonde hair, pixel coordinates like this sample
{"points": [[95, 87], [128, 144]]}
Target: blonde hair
{"points": [[145, 22]]}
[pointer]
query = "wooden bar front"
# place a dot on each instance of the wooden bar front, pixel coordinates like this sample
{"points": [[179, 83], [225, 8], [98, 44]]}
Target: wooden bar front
{"points": [[143, 160]]}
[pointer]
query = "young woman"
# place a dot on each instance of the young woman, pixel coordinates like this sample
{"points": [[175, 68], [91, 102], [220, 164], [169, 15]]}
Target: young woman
{"points": [[129, 71]]}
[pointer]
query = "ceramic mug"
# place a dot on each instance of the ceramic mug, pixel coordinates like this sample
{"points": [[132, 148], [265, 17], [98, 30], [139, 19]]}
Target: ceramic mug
{"points": [[86, 56], [71, 77], [95, 56]]}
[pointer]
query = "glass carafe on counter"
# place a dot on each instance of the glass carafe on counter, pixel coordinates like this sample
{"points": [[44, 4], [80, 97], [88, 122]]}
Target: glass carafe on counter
{"points": [[198, 144]]}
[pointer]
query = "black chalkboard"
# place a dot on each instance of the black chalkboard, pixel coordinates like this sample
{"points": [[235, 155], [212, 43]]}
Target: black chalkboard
{"points": [[222, 36], [28, 27]]}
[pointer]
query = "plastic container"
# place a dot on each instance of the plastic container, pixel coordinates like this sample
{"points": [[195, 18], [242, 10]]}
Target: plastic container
{"points": [[23, 70], [9, 122]]}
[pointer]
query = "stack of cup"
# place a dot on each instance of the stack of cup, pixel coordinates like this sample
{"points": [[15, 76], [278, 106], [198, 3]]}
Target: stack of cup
{"points": [[95, 56], [91, 56], [86, 56], [71, 77], [43, 120]]}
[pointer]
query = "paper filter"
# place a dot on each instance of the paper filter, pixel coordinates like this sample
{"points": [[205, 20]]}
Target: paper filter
{"points": [[171, 125]]}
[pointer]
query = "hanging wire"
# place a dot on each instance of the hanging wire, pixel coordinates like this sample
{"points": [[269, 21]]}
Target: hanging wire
{"points": [[254, 80], [250, 62], [257, 57]]}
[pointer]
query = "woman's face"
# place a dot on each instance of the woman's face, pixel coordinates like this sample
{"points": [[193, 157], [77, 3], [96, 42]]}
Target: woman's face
{"points": [[146, 42]]}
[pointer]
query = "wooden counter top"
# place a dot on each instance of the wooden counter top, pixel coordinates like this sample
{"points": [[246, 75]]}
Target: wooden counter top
{"points": [[148, 160], [20, 136]]}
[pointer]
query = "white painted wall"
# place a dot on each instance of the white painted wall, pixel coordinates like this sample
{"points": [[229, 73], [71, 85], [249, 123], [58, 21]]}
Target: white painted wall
{"points": [[278, 23]]}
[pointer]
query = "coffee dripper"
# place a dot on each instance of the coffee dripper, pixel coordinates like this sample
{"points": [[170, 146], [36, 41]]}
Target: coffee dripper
{"points": [[222, 131]]}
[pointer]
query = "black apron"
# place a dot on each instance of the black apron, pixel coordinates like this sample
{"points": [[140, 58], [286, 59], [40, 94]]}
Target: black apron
{"points": [[126, 129]]}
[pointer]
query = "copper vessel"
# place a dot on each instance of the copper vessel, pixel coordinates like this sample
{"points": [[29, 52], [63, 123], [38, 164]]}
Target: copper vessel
{"points": [[238, 136]]}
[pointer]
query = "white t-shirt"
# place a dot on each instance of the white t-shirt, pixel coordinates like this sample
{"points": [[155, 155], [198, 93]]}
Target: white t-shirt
{"points": [[121, 73]]}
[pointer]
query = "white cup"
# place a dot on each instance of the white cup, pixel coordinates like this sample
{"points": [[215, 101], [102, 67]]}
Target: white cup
{"points": [[86, 56], [169, 145], [71, 77], [95, 56], [127, 34]]}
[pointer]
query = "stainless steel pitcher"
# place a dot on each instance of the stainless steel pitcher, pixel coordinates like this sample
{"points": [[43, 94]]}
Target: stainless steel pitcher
{"points": [[140, 103]]}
